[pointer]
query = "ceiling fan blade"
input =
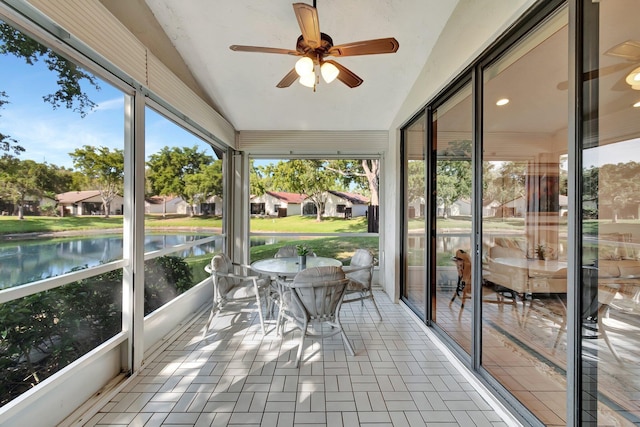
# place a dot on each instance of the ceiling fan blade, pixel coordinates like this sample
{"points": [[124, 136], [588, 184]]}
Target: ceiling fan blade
{"points": [[240, 48], [600, 72], [365, 47], [287, 80], [309, 25], [346, 76]]}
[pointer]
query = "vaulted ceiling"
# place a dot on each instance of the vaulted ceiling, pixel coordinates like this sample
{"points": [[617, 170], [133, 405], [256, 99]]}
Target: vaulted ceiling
{"points": [[242, 86]]}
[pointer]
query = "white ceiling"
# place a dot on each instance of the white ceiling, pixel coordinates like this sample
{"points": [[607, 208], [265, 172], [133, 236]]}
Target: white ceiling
{"points": [[243, 85]]}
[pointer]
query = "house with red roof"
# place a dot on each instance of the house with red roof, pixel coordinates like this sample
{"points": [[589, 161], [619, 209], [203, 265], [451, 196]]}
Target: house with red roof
{"points": [[277, 203]]}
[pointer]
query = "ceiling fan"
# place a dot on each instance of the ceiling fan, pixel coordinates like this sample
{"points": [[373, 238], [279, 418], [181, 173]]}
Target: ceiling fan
{"points": [[630, 52], [313, 46]]}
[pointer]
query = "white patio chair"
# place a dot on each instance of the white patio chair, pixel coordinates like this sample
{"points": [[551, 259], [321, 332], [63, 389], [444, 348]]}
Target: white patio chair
{"points": [[360, 275], [233, 282], [287, 251], [312, 302]]}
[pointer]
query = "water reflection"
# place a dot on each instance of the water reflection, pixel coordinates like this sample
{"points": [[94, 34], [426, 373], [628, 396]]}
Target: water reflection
{"points": [[31, 260]]}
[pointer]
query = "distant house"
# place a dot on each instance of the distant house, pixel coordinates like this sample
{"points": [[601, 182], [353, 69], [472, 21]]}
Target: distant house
{"points": [[416, 208], [490, 207], [87, 202], [176, 205], [461, 207], [31, 205], [339, 204], [513, 208], [158, 204], [518, 207], [211, 206], [277, 203]]}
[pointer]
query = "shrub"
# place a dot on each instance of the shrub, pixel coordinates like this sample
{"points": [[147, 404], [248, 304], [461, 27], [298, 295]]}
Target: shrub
{"points": [[44, 332]]}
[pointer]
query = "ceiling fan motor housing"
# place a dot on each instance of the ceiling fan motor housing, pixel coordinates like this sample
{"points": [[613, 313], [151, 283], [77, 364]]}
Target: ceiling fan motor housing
{"points": [[326, 43]]}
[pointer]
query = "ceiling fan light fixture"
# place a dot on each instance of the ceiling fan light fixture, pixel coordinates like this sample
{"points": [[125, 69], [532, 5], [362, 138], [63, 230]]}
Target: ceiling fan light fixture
{"points": [[308, 80], [329, 72], [304, 66], [633, 79]]}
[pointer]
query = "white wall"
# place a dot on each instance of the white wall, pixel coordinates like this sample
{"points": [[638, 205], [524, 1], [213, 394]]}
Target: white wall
{"points": [[331, 206], [471, 28]]}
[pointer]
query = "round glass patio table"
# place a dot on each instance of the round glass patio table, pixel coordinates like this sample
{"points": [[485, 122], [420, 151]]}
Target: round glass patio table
{"points": [[289, 267]]}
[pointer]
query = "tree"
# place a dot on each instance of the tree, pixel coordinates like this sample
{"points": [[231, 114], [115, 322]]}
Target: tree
{"points": [[20, 179], [6, 142], [364, 173], [60, 179], [70, 76], [259, 181], [307, 177], [453, 181], [103, 168], [618, 186], [453, 173], [169, 168], [505, 184], [416, 181], [200, 186], [590, 190]]}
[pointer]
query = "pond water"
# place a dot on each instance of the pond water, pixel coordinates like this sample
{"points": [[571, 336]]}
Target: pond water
{"points": [[31, 260]]}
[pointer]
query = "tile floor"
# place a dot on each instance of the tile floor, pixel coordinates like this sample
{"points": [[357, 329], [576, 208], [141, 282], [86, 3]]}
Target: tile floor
{"points": [[235, 376]]}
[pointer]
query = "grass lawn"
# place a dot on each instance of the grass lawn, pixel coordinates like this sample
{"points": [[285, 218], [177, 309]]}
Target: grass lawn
{"points": [[43, 224], [291, 224]]}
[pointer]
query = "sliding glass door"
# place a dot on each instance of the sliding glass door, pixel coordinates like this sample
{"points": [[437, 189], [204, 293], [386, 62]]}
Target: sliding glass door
{"points": [[451, 277]]}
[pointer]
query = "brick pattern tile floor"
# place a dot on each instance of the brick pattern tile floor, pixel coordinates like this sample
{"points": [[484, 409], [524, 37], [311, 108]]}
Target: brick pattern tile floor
{"points": [[235, 376]]}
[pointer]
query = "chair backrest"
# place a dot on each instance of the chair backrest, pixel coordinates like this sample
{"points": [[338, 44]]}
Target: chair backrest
{"points": [[319, 291], [290, 251], [362, 258], [463, 265], [221, 263]]}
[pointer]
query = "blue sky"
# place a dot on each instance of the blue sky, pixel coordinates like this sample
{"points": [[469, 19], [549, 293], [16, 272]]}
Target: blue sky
{"points": [[49, 135]]}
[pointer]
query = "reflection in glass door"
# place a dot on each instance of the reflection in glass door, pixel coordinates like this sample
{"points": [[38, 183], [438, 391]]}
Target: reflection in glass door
{"points": [[524, 220], [451, 278], [414, 287], [610, 212]]}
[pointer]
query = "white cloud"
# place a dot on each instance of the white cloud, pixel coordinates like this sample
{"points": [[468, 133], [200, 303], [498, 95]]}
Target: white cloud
{"points": [[111, 104]]}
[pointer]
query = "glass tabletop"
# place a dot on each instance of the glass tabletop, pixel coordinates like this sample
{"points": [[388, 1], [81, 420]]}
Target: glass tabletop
{"points": [[289, 267]]}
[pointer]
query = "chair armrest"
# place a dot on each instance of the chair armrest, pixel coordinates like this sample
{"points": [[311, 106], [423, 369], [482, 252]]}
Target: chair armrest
{"points": [[247, 268], [237, 264], [235, 276], [348, 269]]}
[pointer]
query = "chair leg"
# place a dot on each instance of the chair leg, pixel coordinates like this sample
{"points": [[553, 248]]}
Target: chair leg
{"points": [[347, 343], [303, 331], [373, 300], [279, 322], [259, 302], [603, 311], [211, 316]]}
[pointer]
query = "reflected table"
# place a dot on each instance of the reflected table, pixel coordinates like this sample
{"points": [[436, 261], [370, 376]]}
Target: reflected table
{"points": [[289, 267]]}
